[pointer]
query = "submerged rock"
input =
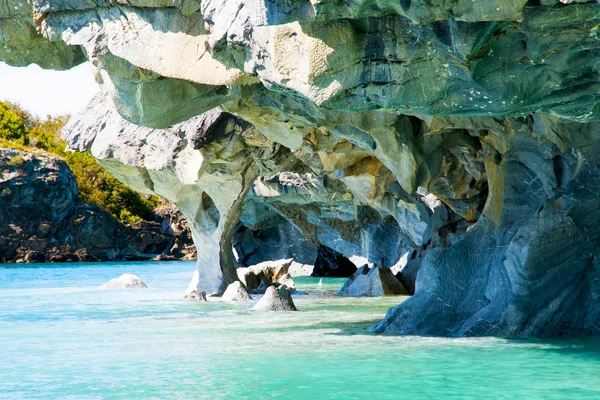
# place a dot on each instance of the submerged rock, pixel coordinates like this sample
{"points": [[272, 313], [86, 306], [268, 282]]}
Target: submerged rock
{"points": [[236, 292], [195, 295], [125, 281], [372, 282], [276, 299]]}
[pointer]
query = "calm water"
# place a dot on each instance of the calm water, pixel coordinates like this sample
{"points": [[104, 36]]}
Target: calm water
{"points": [[62, 337]]}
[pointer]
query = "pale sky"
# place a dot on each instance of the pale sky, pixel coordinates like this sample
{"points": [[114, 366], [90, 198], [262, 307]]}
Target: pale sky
{"points": [[46, 92]]}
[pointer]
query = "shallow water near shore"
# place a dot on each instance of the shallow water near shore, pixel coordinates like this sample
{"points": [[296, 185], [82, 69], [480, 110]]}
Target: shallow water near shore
{"points": [[63, 337]]}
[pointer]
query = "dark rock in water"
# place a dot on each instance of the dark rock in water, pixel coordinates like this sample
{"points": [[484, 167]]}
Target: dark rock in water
{"points": [[276, 299], [408, 275], [268, 236], [372, 282], [196, 295], [236, 292], [264, 284], [34, 257], [331, 263]]}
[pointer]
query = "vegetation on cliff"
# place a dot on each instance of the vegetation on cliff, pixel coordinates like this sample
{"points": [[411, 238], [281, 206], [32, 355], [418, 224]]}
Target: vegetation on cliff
{"points": [[21, 130]]}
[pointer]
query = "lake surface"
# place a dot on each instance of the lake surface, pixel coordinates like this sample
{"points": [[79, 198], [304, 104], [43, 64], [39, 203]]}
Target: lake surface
{"points": [[63, 337]]}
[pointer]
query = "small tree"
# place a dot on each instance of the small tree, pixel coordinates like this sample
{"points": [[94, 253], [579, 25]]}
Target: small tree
{"points": [[12, 125]]}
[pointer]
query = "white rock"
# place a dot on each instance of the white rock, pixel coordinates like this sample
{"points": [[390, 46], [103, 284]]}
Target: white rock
{"points": [[125, 281], [236, 292], [297, 269], [276, 299], [196, 295], [287, 281]]}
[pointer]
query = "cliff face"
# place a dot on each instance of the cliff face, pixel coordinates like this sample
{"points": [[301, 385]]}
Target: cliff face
{"points": [[463, 133], [42, 219]]}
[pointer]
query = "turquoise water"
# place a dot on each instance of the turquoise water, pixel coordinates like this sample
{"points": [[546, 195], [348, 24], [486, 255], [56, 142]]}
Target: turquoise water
{"points": [[62, 337]]}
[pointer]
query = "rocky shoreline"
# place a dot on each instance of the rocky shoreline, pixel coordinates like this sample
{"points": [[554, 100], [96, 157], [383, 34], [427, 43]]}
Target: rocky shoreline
{"points": [[43, 220]]}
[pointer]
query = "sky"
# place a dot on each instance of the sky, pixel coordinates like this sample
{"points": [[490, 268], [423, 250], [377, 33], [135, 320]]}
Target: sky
{"points": [[45, 92]]}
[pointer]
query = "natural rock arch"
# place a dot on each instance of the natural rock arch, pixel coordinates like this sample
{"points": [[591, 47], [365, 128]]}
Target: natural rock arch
{"points": [[341, 120]]}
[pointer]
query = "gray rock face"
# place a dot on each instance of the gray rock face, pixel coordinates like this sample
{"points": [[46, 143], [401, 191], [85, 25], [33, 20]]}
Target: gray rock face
{"points": [[125, 281], [236, 292], [287, 281], [372, 282], [261, 276], [331, 263], [196, 295], [462, 133], [174, 224], [276, 299], [524, 260], [21, 44], [297, 269], [43, 220]]}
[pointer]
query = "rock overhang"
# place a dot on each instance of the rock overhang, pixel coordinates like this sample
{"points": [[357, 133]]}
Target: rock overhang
{"points": [[490, 106]]}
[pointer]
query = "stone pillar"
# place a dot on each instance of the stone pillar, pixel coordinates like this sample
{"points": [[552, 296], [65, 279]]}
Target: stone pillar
{"points": [[528, 266]]}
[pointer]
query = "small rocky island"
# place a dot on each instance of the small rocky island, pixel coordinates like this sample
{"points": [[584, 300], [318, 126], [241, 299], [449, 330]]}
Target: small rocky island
{"points": [[461, 135]]}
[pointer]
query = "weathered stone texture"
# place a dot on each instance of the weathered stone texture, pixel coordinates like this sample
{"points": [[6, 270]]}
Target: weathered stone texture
{"points": [[43, 220], [461, 133]]}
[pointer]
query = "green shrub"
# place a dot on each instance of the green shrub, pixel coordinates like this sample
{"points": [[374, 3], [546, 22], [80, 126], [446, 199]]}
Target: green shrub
{"points": [[97, 185], [17, 160], [12, 125], [128, 218]]}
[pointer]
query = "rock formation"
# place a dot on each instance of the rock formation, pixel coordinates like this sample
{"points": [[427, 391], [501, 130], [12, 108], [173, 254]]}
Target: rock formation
{"points": [[288, 281], [276, 299], [196, 295], [269, 271], [174, 225], [464, 133], [372, 282], [43, 220], [125, 281], [236, 292], [331, 263]]}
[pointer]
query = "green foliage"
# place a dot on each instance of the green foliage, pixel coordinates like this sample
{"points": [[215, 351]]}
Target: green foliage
{"points": [[128, 218], [46, 135], [97, 185], [17, 160], [12, 125], [20, 130]]}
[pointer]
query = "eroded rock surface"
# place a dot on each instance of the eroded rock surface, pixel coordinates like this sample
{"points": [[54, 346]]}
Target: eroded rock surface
{"points": [[42, 219], [461, 133], [236, 292], [276, 299], [196, 295], [331, 263], [372, 282]]}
